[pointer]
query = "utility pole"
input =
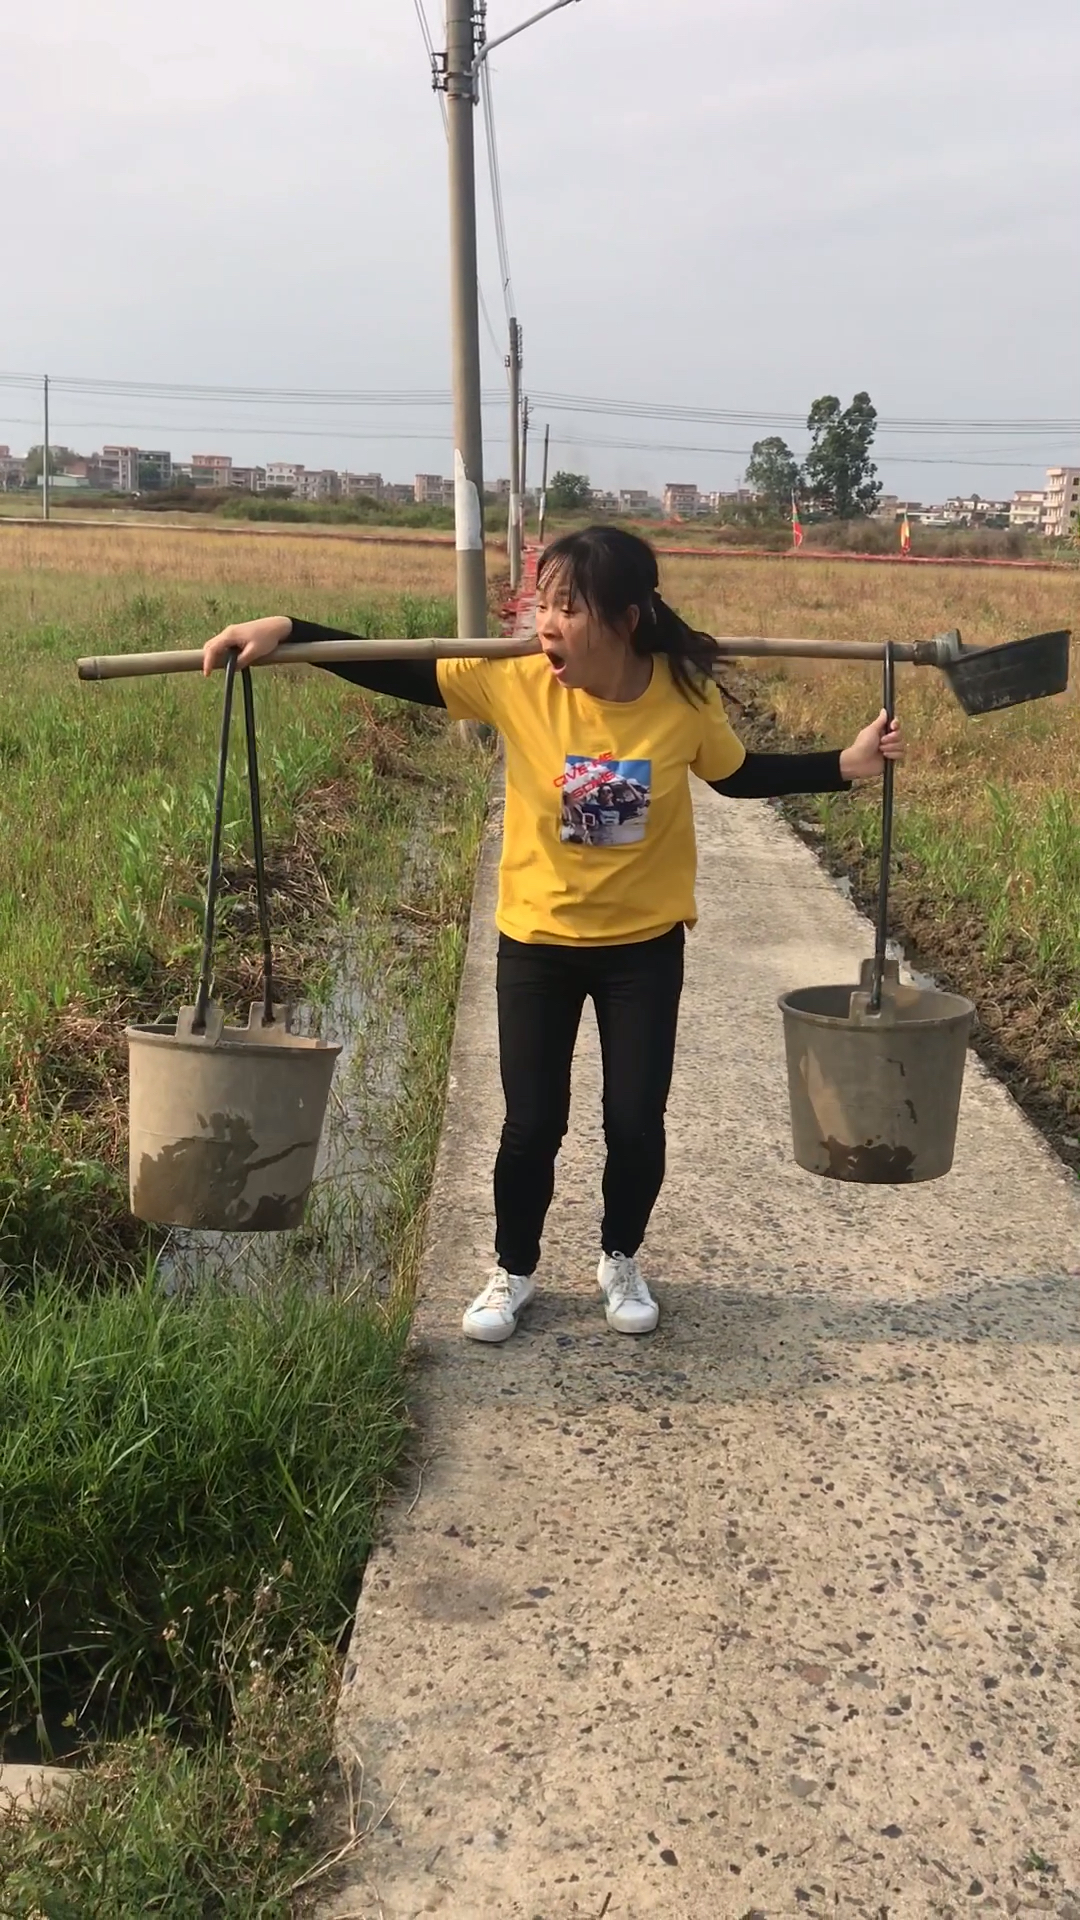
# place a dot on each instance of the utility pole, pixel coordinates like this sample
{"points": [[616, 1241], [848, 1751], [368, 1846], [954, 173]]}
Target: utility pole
{"points": [[524, 463], [543, 486], [459, 82], [513, 525], [45, 452], [455, 74]]}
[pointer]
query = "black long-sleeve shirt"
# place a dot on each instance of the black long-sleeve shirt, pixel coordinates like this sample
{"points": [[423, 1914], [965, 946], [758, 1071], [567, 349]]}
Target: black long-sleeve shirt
{"points": [[762, 776]]}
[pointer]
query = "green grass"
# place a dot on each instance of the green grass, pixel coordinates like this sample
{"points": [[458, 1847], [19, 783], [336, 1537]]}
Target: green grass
{"points": [[188, 1482], [219, 1831], [108, 795], [161, 1461], [1020, 869], [108, 786]]}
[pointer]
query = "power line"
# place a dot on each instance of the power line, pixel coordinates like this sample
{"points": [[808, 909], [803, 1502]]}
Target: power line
{"points": [[183, 394], [742, 453], [263, 396], [376, 433], [496, 189], [737, 416], [429, 46], [554, 401], [498, 436]]}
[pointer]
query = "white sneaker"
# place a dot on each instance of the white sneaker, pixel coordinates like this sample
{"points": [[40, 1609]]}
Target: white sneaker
{"points": [[630, 1306], [493, 1314]]}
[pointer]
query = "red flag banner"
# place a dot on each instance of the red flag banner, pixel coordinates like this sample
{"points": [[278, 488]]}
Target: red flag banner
{"points": [[796, 526]]}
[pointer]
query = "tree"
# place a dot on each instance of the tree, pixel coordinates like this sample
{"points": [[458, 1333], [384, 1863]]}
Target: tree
{"points": [[569, 490], [839, 474], [58, 457], [773, 472]]}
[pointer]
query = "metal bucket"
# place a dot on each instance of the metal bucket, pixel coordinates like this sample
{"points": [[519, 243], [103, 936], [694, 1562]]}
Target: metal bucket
{"points": [[875, 1098], [225, 1122]]}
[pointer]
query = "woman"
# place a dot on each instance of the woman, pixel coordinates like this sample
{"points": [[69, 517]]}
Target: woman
{"points": [[596, 882]]}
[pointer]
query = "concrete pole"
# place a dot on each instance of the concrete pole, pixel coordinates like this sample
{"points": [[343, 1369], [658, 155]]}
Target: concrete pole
{"points": [[524, 465], [513, 525], [45, 452], [543, 485], [465, 323]]}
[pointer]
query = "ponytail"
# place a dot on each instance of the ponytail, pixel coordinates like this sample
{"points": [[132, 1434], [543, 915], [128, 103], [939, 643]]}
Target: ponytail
{"points": [[691, 655], [613, 571]]}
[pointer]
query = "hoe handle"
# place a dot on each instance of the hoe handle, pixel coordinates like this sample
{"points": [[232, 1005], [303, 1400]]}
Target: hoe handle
{"points": [[123, 666]]}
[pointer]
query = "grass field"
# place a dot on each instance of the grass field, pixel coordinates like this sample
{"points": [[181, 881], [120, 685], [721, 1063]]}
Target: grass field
{"points": [[190, 1480], [374, 815], [39, 567], [987, 893]]}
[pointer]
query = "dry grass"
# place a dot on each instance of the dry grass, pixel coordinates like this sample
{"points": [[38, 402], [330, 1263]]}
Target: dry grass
{"points": [[953, 761], [819, 600], [160, 556], [986, 886]]}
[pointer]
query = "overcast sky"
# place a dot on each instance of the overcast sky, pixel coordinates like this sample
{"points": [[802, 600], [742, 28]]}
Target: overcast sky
{"points": [[716, 203]]}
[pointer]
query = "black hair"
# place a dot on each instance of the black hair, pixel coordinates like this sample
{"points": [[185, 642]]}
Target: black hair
{"points": [[611, 571]]}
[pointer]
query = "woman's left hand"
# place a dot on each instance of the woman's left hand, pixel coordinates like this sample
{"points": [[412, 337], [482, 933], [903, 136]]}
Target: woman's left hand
{"points": [[865, 758]]}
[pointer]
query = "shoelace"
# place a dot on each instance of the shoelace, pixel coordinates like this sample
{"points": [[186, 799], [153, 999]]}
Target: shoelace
{"points": [[499, 1292], [628, 1283]]}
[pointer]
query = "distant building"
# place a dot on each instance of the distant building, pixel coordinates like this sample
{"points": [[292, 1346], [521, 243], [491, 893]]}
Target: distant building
{"points": [[973, 511], [635, 500], [397, 494], [731, 497], [120, 466], [1062, 502], [431, 490], [155, 467], [12, 469], [284, 473], [212, 470], [248, 479], [325, 484], [367, 486], [890, 507], [1026, 509], [682, 501], [603, 501]]}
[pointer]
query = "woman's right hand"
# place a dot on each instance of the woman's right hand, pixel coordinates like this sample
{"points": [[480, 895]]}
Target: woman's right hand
{"points": [[250, 640]]}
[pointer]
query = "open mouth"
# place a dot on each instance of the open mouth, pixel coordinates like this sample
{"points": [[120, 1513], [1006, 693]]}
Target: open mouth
{"points": [[556, 660]]}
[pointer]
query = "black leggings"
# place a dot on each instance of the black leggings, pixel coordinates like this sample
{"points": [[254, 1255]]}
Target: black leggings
{"points": [[542, 989]]}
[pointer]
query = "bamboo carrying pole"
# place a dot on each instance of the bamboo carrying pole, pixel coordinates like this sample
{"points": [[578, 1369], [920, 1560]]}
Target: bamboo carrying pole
{"points": [[123, 666]]}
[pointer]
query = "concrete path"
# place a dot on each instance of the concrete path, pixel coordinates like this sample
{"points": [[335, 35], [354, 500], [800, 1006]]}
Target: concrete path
{"points": [[776, 1612]]}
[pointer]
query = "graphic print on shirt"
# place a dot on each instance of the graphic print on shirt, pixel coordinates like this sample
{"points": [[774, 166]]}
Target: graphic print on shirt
{"points": [[605, 803]]}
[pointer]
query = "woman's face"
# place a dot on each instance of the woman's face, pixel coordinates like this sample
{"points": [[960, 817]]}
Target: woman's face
{"points": [[581, 649]]}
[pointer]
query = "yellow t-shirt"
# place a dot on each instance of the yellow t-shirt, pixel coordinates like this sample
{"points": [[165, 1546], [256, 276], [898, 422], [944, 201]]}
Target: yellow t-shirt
{"points": [[598, 838]]}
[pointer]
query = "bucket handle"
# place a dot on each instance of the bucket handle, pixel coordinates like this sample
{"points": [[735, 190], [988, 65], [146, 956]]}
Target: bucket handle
{"points": [[213, 882], [881, 939]]}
